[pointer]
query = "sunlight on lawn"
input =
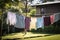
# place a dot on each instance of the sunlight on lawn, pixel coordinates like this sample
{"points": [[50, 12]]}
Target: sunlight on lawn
{"points": [[19, 36], [53, 37]]}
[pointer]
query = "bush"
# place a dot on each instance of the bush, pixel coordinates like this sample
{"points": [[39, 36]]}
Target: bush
{"points": [[49, 29], [33, 30], [55, 28], [39, 30]]}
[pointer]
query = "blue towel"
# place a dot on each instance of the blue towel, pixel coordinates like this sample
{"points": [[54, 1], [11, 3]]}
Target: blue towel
{"points": [[40, 22], [20, 23]]}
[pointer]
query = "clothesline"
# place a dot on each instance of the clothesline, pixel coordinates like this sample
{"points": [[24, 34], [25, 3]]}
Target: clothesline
{"points": [[20, 21]]}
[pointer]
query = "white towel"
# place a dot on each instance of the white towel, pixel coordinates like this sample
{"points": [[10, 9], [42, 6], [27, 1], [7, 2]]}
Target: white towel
{"points": [[11, 18]]}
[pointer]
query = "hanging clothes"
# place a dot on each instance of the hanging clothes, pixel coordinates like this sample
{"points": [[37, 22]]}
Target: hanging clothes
{"points": [[59, 16], [40, 22], [52, 19], [33, 23], [47, 21], [11, 18], [27, 23], [56, 17], [20, 22]]}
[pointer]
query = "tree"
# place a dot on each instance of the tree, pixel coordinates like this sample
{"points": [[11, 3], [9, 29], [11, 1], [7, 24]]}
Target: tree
{"points": [[3, 4]]}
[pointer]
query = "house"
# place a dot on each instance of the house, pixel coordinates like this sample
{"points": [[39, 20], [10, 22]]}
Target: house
{"points": [[47, 8]]}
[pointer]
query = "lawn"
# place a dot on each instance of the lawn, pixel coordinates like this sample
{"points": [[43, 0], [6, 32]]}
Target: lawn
{"points": [[52, 37], [18, 36]]}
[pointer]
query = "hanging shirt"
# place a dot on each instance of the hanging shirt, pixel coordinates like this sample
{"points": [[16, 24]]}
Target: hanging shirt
{"points": [[56, 17], [40, 22], [33, 23], [27, 23], [59, 16], [52, 19], [47, 21], [11, 18], [20, 22]]}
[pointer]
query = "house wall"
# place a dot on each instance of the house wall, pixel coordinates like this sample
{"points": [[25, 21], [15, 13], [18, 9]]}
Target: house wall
{"points": [[38, 11], [48, 9]]}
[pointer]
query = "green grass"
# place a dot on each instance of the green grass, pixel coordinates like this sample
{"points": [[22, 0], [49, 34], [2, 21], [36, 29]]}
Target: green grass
{"points": [[17, 36], [12, 36], [53, 37]]}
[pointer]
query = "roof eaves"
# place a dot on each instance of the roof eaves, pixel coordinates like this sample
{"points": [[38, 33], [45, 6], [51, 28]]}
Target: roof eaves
{"points": [[46, 3]]}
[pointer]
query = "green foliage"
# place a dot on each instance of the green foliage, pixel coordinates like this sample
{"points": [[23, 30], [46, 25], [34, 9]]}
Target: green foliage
{"points": [[2, 3], [49, 29], [55, 28], [33, 30], [21, 5], [33, 11]]}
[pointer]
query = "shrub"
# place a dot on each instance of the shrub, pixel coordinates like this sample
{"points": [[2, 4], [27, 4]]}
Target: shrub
{"points": [[55, 28], [49, 29]]}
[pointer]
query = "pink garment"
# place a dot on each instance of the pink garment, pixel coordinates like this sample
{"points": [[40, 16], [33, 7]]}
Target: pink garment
{"points": [[52, 19], [27, 23]]}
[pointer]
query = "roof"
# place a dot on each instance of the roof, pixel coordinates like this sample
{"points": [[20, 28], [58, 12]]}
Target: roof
{"points": [[46, 3]]}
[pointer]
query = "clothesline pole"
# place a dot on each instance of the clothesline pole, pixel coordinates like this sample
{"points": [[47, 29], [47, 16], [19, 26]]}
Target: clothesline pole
{"points": [[26, 15], [26, 7]]}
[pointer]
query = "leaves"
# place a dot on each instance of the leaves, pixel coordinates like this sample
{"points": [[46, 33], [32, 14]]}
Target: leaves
{"points": [[33, 11]]}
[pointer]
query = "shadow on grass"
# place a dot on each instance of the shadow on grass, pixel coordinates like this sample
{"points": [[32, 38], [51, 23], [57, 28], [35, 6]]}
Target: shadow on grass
{"points": [[30, 37], [27, 37], [48, 34], [10, 34], [13, 39]]}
